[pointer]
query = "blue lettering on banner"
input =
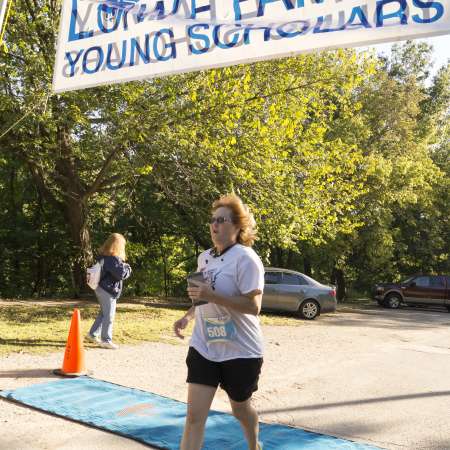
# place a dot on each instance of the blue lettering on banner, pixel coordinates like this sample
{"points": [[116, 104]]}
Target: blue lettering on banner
{"points": [[203, 37], [358, 13], [293, 33], [200, 38], [195, 10], [136, 46], [247, 30], [74, 18], [427, 5], [171, 45], [159, 8], [262, 4], [320, 21], [138, 17], [401, 13], [237, 9], [111, 14], [98, 60], [224, 45], [109, 58], [127, 54], [72, 62]]}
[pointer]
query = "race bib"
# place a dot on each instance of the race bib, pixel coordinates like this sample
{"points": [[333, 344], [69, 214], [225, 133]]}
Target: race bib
{"points": [[219, 330]]}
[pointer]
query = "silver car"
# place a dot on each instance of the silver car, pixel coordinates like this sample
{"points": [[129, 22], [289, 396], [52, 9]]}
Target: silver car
{"points": [[286, 290]]}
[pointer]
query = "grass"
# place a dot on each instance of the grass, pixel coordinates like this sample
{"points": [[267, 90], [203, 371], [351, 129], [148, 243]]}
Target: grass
{"points": [[42, 327]]}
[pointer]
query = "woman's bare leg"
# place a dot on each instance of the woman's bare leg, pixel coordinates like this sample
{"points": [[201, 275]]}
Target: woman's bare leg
{"points": [[200, 398], [248, 417]]}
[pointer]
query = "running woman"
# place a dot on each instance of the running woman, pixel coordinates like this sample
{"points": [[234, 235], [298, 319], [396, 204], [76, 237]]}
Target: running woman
{"points": [[226, 347]]}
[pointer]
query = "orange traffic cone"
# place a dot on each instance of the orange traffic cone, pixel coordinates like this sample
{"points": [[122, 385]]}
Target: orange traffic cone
{"points": [[73, 364]]}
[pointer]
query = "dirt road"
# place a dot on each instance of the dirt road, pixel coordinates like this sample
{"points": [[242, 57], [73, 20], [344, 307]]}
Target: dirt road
{"points": [[376, 376]]}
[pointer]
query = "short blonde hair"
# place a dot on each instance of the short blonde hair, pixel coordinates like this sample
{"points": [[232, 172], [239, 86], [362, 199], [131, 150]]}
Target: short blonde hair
{"points": [[241, 217], [114, 246]]}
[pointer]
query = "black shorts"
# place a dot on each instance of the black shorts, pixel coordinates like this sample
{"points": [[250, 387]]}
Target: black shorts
{"points": [[237, 377]]}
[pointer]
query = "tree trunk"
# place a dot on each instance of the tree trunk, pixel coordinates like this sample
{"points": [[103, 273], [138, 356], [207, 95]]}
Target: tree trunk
{"points": [[13, 237], [337, 278], [197, 250], [164, 258], [74, 205], [63, 187], [290, 257], [307, 266], [279, 256], [39, 284], [76, 215]]}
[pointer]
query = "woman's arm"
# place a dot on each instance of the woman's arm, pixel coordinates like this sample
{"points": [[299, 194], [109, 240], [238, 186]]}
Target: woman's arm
{"points": [[249, 303], [117, 268], [190, 313], [182, 323]]}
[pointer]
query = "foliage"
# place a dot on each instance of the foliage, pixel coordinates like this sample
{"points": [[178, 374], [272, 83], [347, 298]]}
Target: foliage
{"points": [[342, 156]]}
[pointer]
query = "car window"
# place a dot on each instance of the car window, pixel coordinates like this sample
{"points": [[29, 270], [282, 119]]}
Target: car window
{"points": [[438, 282], [272, 277], [422, 281], [292, 279]]}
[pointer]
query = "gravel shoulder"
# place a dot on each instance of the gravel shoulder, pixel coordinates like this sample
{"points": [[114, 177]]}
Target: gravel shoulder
{"points": [[373, 375]]}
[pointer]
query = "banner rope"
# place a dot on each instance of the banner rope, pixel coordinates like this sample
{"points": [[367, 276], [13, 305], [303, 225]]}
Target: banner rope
{"points": [[43, 101]]}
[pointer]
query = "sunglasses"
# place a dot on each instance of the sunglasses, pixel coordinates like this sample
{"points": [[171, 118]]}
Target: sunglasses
{"points": [[219, 219]]}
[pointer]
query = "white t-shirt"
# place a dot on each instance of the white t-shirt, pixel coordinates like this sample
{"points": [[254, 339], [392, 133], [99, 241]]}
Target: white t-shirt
{"points": [[237, 272]]}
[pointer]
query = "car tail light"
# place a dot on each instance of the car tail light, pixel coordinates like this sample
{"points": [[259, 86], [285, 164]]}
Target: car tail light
{"points": [[333, 292]]}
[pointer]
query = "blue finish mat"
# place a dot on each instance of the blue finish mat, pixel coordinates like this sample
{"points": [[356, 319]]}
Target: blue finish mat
{"points": [[156, 420]]}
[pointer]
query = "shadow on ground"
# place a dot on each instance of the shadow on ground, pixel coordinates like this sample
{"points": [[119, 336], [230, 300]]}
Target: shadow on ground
{"points": [[357, 402], [33, 342], [28, 373]]}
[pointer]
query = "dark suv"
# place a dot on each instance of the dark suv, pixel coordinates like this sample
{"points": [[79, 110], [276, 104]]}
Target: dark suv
{"points": [[418, 290]]}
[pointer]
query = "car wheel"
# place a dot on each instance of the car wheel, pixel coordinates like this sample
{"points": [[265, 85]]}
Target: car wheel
{"points": [[309, 310], [393, 301]]}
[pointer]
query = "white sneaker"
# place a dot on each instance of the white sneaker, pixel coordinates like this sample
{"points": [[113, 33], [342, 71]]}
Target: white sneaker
{"points": [[93, 339], [110, 345]]}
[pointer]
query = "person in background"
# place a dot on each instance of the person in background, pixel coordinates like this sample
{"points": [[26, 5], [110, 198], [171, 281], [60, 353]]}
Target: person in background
{"points": [[114, 271], [226, 347]]}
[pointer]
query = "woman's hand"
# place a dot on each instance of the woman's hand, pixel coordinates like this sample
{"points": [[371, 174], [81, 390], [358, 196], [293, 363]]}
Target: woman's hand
{"points": [[201, 291], [179, 325]]}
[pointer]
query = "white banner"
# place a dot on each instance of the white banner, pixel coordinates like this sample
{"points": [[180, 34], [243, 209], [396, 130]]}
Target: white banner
{"points": [[115, 41]]}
